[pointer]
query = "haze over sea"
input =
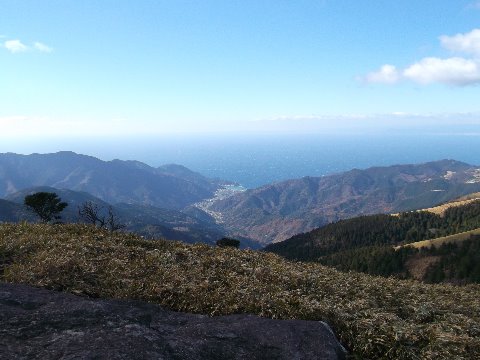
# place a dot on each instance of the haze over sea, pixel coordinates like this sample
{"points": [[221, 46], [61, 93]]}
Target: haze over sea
{"points": [[256, 160]]}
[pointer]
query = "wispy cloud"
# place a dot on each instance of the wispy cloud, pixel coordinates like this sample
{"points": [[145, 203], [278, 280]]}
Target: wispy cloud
{"points": [[15, 46], [356, 123], [42, 47], [453, 71], [472, 117], [387, 74], [35, 127], [19, 126], [474, 5]]}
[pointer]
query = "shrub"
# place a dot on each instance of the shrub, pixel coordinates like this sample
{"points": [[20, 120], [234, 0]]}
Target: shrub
{"points": [[228, 242]]}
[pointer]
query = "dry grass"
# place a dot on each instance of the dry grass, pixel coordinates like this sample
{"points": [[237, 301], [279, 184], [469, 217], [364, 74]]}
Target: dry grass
{"points": [[440, 209], [418, 265], [472, 196], [455, 238], [376, 318]]}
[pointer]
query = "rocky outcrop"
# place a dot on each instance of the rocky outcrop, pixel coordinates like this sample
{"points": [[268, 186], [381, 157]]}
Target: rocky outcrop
{"points": [[42, 324]]}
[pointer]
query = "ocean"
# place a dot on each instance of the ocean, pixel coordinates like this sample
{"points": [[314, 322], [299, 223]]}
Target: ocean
{"points": [[253, 161], [258, 160]]}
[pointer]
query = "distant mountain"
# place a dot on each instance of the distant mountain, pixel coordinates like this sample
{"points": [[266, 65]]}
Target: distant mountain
{"points": [[278, 211], [11, 212], [145, 220], [170, 186]]}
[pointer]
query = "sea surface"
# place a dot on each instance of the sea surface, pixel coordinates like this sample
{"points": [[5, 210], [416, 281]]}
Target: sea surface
{"points": [[253, 161]]}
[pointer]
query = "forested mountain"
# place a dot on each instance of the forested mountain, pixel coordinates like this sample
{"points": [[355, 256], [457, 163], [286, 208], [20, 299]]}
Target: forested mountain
{"points": [[171, 186], [278, 211], [366, 244]]}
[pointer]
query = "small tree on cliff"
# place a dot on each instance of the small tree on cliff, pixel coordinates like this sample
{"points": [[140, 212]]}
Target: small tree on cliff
{"points": [[47, 206]]}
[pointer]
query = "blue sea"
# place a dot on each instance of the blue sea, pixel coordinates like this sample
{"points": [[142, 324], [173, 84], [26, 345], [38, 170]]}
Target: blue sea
{"points": [[253, 161]]}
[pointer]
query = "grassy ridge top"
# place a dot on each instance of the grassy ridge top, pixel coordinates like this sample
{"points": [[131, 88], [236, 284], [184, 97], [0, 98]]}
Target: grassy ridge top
{"points": [[441, 209], [455, 238], [375, 317]]}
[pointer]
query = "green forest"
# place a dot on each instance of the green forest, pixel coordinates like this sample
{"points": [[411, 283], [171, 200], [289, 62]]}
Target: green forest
{"points": [[366, 243]]}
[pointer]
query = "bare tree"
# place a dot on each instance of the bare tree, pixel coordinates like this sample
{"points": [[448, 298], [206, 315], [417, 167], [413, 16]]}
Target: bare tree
{"points": [[90, 212], [94, 214], [113, 221]]}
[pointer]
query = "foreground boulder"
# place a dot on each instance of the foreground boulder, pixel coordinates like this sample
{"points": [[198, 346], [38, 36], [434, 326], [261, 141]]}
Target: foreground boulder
{"points": [[43, 324]]}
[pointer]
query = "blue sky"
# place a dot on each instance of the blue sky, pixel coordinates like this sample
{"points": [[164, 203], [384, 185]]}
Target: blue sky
{"points": [[130, 68]]}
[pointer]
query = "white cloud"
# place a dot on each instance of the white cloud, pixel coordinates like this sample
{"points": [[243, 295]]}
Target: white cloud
{"points": [[15, 46], [387, 74], [42, 47], [467, 43], [454, 71], [451, 71]]}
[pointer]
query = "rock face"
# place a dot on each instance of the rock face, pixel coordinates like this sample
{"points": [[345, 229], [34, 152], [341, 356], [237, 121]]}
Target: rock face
{"points": [[42, 324]]}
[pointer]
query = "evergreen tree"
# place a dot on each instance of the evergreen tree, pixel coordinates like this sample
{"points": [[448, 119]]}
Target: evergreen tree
{"points": [[47, 206]]}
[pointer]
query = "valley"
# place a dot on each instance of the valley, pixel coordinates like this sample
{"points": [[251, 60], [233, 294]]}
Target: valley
{"points": [[278, 211], [174, 202], [222, 193], [368, 276]]}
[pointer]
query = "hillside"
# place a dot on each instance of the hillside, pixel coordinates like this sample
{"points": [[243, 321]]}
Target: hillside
{"points": [[12, 212], [374, 317], [276, 212], [170, 186], [144, 220], [380, 229], [438, 242], [375, 244], [464, 200]]}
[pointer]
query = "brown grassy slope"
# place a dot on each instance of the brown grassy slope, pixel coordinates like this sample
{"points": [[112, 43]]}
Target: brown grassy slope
{"points": [[376, 318], [455, 238], [440, 209], [472, 196]]}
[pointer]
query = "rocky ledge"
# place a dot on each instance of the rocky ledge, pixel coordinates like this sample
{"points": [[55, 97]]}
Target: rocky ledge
{"points": [[42, 324]]}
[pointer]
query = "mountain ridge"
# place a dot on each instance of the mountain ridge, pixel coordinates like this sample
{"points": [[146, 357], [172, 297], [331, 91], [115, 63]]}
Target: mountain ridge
{"points": [[275, 212], [112, 181]]}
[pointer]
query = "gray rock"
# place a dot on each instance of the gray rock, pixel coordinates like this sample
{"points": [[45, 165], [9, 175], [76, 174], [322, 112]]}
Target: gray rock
{"points": [[42, 324]]}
